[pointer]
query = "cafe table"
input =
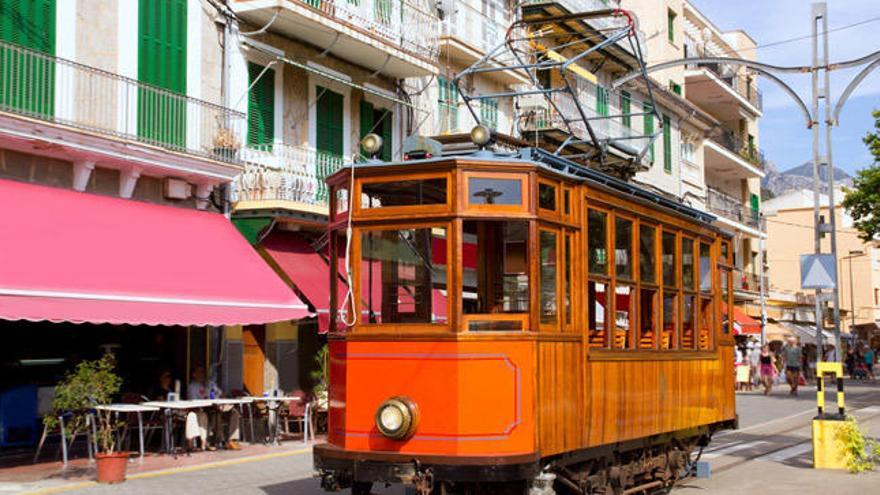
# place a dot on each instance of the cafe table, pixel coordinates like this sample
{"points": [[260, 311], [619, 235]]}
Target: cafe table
{"points": [[169, 407], [138, 409]]}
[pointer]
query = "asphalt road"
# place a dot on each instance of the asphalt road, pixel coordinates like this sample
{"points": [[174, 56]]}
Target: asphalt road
{"points": [[769, 453]]}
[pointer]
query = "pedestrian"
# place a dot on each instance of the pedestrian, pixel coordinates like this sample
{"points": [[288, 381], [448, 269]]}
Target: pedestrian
{"points": [[869, 362], [742, 370], [768, 370], [754, 363], [791, 355], [850, 361]]}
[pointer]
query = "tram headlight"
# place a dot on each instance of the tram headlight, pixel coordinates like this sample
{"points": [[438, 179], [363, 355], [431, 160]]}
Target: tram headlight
{"points": [[372, 144], [397, 418], [481, 136]]}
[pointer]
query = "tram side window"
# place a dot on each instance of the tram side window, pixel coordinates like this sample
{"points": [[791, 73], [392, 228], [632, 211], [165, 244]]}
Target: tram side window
{"points": [[669, 260], [704, 329], [705, 268], [597, 298], [687, 263], [667, 336], [495, 273], [648, 318], [623, 316], [403, 275], [647, 254], [549, 252], [688, 330], [403, 193], [623, 242], [567, 285], [597, 238]]}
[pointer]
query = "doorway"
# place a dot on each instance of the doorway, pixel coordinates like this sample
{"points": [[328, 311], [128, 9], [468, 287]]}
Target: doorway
{"points": [[254, 358]]}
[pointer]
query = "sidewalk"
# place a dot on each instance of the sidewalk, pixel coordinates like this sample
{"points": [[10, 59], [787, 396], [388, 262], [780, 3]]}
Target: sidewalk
{"points": [[52, 477]]}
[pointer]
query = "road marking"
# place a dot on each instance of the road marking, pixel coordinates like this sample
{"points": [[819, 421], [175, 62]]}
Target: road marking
{"points": [[761, 425], [732, 449], [177, 470], [788, 453]]}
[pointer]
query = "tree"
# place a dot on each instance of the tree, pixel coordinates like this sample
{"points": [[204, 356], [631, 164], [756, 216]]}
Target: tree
{"points": [[863, 200]]}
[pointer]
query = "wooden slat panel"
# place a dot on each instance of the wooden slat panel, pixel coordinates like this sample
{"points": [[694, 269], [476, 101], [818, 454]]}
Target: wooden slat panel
{"points": [[559, 399]]}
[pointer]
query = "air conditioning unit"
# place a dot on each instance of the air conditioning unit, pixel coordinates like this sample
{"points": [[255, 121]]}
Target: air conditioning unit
{"points": [[177, 189]]}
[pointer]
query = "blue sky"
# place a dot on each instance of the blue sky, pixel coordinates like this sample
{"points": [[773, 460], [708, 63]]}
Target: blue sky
{"points": [[784, 137]]}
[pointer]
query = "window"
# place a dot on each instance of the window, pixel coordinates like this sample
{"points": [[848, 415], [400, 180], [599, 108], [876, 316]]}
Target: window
{"points": [[670, 25], [261, 107], [648, 318], [688, 151], [597, 239], [378, 121], [688, 314], [705, 268], [546, 196], [626, 108], [670, 312], [162, 62], [495, 273], [489, 113], [548, 251], [447, 105], [667, 145], [494, 191], [669, 261], [704, 329], [623, 316], [648, 126], [341, 200], [566, 201], [28, 82], [403, 193], [675, 88], [601, 101], [567, 285], [647, 255], [623, 241], [687, 263], [403, 275], [596, 305]]}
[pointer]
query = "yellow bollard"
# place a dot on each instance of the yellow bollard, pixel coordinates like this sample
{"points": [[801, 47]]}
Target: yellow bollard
{"points": [[827, 451]]}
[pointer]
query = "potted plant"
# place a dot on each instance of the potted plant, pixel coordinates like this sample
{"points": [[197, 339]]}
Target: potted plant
{"points": [[226, 144], [90, 384]]}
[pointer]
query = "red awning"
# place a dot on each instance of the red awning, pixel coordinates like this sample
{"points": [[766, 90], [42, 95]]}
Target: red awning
{"points": [[78, 257], [743, 323], [304, 268]]}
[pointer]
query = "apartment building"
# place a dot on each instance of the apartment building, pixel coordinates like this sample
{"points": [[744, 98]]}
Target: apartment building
{"points": [[117, 150]]}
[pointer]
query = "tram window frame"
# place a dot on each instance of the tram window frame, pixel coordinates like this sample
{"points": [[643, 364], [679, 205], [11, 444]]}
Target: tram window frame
{"points": [[633, 227], [688, 340], [597, 338], [524, 192], [705, 320], [363, 323], [361, 211], [648, 326], [548, 191], [590, 239], [569, 250], [336, 213], [548, 320], [724, 292], [497, 321], [623, 337], [705, 271], [674, 308]]}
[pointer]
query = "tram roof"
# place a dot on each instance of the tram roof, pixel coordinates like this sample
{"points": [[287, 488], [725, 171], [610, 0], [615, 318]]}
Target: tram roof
{"points": [[566, 168]]}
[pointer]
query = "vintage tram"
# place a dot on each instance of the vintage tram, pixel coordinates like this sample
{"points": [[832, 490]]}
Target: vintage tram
{"points": [[521, 321]]}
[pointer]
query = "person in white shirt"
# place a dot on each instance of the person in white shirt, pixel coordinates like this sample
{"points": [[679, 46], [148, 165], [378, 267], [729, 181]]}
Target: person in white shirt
{"points": [[200, 388]]}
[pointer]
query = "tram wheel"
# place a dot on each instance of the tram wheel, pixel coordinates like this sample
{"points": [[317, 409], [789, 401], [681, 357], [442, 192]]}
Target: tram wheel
{"points": [[361, 488]]}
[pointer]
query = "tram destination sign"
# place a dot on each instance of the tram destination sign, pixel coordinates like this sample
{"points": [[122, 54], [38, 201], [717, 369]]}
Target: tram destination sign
{"points": [[818, 271]]}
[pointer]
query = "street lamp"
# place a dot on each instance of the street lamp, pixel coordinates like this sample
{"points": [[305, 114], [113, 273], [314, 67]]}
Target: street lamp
{"points": [[852, 304]]}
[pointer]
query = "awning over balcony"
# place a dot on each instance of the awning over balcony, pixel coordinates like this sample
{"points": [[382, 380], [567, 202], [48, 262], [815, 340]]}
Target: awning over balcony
{"points": [[75, 257], [295, 260], [744, 324]]}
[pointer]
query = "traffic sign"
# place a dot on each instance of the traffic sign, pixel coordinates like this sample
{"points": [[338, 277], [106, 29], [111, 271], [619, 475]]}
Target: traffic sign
{"points": [[818, 271]]}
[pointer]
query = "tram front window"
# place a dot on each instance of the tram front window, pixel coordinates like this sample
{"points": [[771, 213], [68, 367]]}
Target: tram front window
{"points": [[403, 275], [495, 273]]}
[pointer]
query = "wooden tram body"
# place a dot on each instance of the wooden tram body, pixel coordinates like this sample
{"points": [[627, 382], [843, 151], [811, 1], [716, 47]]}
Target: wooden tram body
{"points": [[483, 290]]}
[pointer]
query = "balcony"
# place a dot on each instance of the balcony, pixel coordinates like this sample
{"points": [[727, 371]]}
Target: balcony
{"points": [[727, 156], [722, 90], [538, 116], [733, 209], [94, 115], [398, 38], [749, 282], [281, 176], [603, 25]]}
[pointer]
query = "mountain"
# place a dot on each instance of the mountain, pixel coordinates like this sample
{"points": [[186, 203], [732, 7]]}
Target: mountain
{"points": [[800, 177]]}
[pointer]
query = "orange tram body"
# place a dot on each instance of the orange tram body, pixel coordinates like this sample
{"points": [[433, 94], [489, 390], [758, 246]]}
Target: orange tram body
{"points": [[522, 322]]}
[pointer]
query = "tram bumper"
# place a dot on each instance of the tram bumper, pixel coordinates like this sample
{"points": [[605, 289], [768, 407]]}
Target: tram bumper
{"points": [[339, 468]]}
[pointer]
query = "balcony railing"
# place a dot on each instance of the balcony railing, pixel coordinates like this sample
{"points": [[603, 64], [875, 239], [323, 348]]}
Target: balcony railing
{"points": [[60, 91], [729, 75], [473, 26], [286, 173], [731, 208], [748, 281], [604, 24], [745, 150], [410, 24]]}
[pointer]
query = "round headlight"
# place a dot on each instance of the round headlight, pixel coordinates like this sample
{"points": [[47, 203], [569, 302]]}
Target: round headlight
{"points": [[397, 417], [481, 135], [372, 144]]}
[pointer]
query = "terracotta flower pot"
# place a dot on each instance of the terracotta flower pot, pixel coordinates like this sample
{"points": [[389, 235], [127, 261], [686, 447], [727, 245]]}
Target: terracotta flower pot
{"points": [[111, 467]]}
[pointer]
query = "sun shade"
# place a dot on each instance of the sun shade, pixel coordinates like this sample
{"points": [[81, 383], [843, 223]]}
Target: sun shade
{"points": [[78, 257]]}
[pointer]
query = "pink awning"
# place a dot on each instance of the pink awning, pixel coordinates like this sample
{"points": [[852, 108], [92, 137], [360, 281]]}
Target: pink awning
{"points": [[78, 257]]}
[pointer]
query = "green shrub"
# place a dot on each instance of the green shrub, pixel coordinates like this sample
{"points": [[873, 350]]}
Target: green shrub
{"points": [[861, 453]]}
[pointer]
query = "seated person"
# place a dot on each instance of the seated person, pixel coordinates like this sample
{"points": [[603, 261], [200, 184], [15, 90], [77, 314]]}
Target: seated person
{"points": [[200, 388], [196, 421]]}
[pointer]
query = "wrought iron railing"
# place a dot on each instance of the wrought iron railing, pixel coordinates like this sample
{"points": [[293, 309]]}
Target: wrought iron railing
{"points": [[748, 281], [411, 25], [60, 91], [287, 173], [732, 208], [748, 151]]}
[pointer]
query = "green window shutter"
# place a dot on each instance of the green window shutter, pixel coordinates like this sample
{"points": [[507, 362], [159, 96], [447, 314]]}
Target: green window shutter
{"points": [[755, 203], [162, 63], [626, 108], [601, 101], [675, 88], [329, 126], [261, 107], [366, 118], [670, 25], [667, 145], [648, 127], [28, 79], [385, 128]]}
